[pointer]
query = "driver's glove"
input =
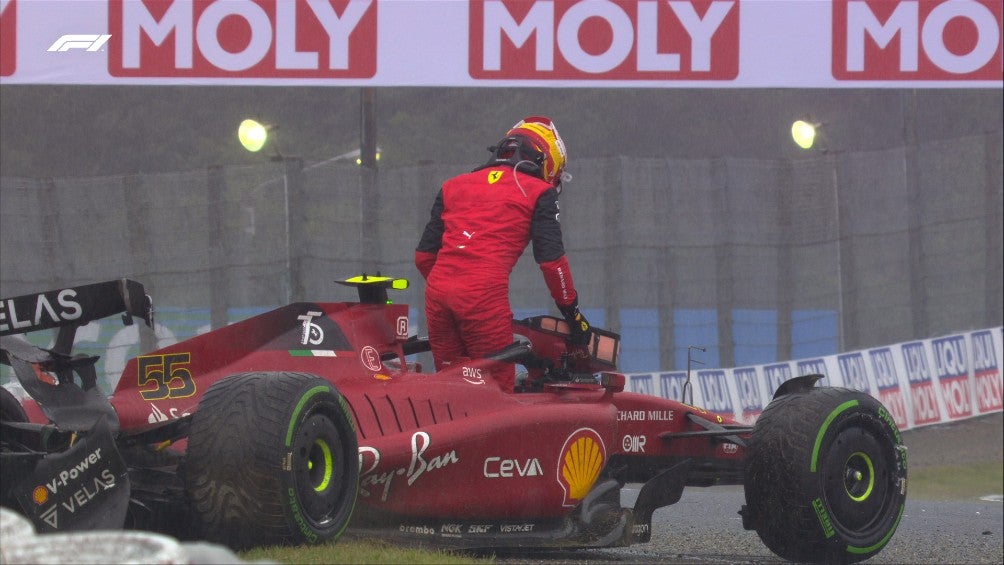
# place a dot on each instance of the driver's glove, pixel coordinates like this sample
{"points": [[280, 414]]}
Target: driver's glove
{"points": [[576, 322]]}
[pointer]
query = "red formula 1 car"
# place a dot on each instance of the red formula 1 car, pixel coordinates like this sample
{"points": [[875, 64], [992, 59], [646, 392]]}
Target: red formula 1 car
{"points": [[294, 425]]}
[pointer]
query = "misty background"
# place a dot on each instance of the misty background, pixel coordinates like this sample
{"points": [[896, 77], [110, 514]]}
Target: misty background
{"points": [[692, 218], [64, 131]]}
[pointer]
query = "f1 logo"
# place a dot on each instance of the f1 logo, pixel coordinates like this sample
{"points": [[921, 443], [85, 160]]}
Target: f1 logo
{"points": [[79, 41]]}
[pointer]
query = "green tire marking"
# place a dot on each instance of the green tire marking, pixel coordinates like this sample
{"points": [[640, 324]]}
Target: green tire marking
{"points": [[327, 465], [881, 542], [299, 408], [824, 517], [826, 425], [294, 506], [348, 412]]}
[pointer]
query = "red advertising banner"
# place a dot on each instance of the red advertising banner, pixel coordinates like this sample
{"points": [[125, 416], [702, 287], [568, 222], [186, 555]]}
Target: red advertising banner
{"points": [[502, 43], [914, 40], [263, 38], [890, 393], [986, 372], [8, 37], [923, 396], [616, 40]]}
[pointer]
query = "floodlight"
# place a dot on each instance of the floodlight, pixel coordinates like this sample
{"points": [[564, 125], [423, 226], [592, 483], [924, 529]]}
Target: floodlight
{"points": [[804, 133], [359, 157], [252, 135]]}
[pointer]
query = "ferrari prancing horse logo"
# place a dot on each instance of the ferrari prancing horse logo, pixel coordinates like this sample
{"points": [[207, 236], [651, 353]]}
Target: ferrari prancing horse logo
{"points": [[494, 176]]}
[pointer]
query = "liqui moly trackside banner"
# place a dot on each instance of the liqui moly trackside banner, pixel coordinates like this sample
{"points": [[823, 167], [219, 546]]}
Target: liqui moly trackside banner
{"points": [[496, 43], [931, 381]]}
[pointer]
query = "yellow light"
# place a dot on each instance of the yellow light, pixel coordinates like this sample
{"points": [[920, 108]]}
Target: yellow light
{"points": [[376, 156], [803, 133], [252, 135]]}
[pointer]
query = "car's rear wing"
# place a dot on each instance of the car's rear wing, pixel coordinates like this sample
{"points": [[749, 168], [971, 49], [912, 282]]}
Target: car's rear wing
{"points": [[72, 307], [48, 374]]}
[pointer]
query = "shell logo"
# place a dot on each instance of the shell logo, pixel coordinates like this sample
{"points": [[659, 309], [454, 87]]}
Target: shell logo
{"points": [[580, 463], [40, 495]]}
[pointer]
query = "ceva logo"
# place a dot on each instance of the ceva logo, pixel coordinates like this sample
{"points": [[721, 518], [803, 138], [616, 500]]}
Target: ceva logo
{"points": [[613, 39], [243, 38], [8, 37], [917, 39]]}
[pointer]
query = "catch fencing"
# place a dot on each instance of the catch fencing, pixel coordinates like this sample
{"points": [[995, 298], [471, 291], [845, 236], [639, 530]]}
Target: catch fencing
{"points": [[755, 261]]}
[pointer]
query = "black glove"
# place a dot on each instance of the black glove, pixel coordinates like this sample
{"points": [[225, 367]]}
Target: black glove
{"points": [[576, 322]]}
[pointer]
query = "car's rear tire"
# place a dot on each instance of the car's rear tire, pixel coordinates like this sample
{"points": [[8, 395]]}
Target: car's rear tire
{"points": [[825, 476], [272, 459]]}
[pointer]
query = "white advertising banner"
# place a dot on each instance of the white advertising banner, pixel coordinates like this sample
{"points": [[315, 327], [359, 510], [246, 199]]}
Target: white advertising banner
{"points": [[931, 381], [504, 43]]}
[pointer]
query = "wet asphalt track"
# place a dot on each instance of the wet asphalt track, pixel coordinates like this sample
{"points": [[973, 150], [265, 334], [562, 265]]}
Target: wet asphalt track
{"points": [[704, 527]]}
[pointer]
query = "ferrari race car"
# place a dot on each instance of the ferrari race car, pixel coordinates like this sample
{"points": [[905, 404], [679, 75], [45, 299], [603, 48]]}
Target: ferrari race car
{"points": [[297, 424]]}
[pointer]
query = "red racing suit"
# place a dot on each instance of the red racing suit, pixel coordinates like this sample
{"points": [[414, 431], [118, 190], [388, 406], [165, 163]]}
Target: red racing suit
{"points": [[480, 224]]}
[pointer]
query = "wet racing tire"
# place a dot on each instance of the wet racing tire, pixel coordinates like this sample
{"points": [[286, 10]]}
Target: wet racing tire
{"points": [[825, 476], [272, 459]]}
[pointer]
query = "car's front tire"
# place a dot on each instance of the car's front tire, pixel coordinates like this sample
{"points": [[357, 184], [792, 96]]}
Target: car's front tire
{"points": [[825, 476]]}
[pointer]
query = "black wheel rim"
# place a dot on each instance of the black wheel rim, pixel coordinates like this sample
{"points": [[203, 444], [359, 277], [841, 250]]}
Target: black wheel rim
{"points": [[318, 469], [858, 480]]}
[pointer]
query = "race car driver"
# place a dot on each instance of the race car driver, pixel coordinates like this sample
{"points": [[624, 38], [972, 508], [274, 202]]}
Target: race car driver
{"points": [[480, 224]]}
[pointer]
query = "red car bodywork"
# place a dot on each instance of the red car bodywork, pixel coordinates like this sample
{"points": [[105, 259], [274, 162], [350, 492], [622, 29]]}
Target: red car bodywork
{"points": [[452, 445], [294, 425]]}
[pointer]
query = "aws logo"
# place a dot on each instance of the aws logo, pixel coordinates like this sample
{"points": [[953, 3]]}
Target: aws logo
{"points": [[580, 463], [494, 176]]}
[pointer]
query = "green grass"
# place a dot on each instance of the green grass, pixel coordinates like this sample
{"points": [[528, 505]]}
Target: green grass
{"points": [[950, 482], [356, 551]]}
